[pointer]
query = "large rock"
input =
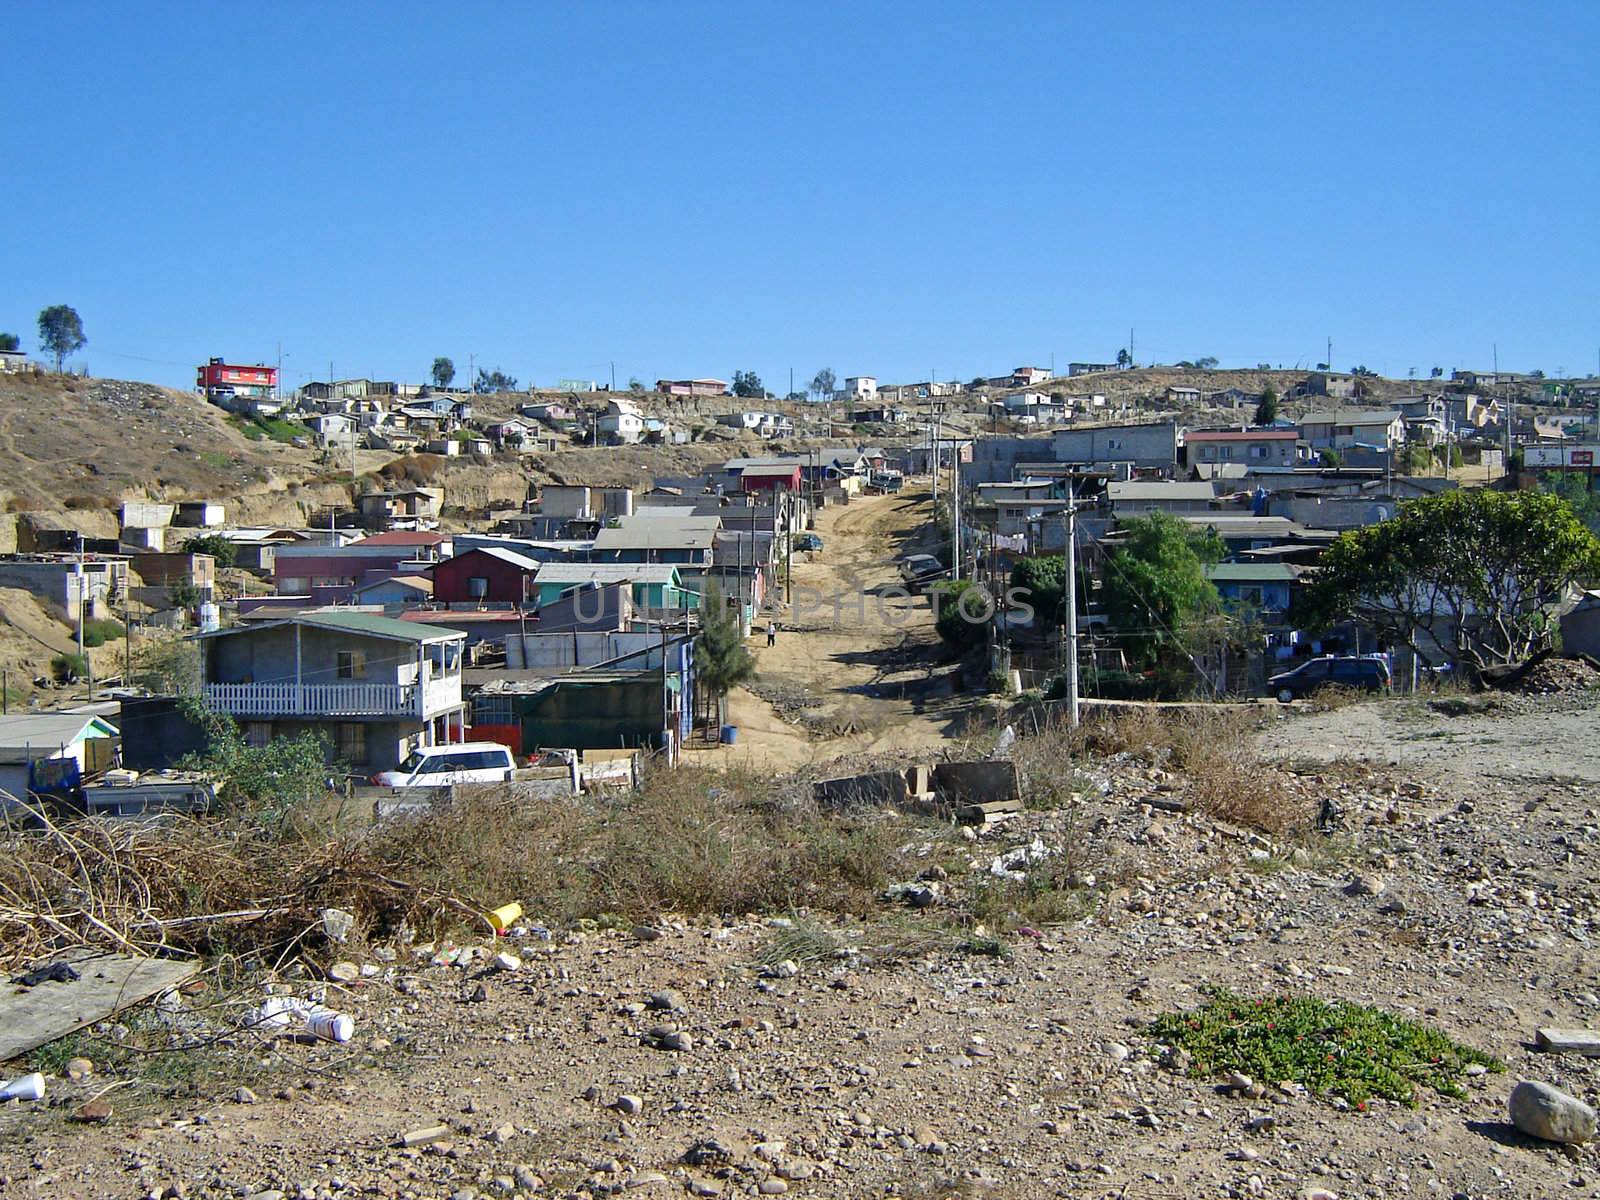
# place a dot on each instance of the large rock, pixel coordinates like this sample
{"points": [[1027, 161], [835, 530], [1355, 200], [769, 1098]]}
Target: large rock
{"points": [[1542, 1111]]}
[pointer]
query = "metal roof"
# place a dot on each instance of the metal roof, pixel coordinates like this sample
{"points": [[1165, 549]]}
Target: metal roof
{"points": [[366, 624], [520, 561], [39, 731], [576, 573], [1268, 572]]}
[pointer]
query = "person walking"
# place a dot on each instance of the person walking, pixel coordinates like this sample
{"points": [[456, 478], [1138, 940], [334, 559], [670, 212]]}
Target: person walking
{"points": [[772, 633]]}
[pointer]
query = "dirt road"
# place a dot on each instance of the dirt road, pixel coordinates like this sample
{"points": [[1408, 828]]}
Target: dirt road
{"points": [[854, 669]]}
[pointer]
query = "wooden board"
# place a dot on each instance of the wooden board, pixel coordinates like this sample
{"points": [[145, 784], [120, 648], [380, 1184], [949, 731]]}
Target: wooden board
{"points": [[107, 984]]}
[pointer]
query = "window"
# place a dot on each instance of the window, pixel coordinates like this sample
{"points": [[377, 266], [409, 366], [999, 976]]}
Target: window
{"points": [[352, 743], [1258, 451], [1227, 452], [478, 586], [352, 664], [257, 733]]}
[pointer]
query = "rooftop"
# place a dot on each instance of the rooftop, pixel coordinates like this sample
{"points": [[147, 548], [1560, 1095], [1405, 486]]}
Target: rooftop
{"points": [[1241, 435], [54, 730], [403, 537], [361, 623]]}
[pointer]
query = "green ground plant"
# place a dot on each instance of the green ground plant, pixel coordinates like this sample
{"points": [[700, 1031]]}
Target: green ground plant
{"points": [[1333, 1049]]}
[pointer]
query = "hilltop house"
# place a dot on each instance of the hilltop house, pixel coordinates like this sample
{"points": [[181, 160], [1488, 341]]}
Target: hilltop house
{"points": [[621, 423], [401, 508], [692, 387], [859, 387], [376, 688]]}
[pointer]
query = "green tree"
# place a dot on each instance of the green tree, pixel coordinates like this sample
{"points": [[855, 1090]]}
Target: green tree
{"points": [[1330, 458], [443, 372], [167, 666], [823, 383], [183, 594], [747, 384], [1575, 490], [978, 381], [493, 381], [1154, 586], [635, 386], [965, 609], [1208, 363], [10, 343], [272, 784], [61, 332], [1267, 407], [1042, 583], [224, 552], [1124, 359], [720, 655], [1474, 572]]}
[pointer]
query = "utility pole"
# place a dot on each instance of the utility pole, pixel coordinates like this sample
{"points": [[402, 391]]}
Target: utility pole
{"points": [[1330, 355], [955, 508], [1072, 611]]}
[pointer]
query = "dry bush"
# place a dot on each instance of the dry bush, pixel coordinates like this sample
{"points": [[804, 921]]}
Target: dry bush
{"points": [[1214, 749], [690, 842]]}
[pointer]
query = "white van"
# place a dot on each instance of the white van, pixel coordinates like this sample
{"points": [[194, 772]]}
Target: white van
{"points": [[462, 762]]}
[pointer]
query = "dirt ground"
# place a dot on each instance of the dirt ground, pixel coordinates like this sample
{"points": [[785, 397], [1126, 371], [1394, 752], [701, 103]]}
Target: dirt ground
{"points": [[1475, 742], [943, 1072], [853, 670]]}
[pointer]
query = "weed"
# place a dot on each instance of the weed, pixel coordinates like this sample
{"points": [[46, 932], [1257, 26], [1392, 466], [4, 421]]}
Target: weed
{"points": [[1347, 1050]]}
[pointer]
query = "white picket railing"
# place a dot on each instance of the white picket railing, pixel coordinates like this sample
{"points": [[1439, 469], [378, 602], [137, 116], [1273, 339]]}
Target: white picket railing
{"points": [[314, 699]]}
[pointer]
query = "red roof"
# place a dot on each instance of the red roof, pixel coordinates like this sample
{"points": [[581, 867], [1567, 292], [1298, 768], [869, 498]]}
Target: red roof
{"points": [[1237, 435], [404, 537]]}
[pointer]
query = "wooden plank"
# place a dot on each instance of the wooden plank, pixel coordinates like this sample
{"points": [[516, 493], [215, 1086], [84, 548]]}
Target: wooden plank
{"points": [[107, 984], [1570, 1041]]}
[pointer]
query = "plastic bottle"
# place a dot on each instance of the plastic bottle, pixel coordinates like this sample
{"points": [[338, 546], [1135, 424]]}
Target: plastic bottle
{"points": [[282, 1012], [26, 1087]]}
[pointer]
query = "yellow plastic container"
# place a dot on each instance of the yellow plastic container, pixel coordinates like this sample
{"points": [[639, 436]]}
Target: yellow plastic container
{"points": [[504, 917]]}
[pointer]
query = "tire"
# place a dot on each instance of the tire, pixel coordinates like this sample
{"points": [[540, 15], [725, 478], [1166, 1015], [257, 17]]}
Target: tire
{"points": [[1285, 695]]}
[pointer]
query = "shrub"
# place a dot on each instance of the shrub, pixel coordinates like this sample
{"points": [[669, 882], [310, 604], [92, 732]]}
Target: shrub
{"points": [[66, 667], [1346, 1050], [98, 633]]}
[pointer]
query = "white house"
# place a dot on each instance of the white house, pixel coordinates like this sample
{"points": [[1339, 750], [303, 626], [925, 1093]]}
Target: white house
{"points": [[860, 387], [621, 422], [766, 424]]}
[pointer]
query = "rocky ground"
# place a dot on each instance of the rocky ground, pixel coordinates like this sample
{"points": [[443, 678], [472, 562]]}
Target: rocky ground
{"points": [[810, 1056]]}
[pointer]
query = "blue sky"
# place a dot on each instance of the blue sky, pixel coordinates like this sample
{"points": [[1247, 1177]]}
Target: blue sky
{"points": [[688, 189]]}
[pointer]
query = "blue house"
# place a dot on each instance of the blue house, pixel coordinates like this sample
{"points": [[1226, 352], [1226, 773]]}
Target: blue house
{"points": [[1264, 589]]}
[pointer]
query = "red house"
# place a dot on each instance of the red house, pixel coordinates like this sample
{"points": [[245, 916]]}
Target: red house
{"points": [[486, 575], [784, 477], [217, 375]]}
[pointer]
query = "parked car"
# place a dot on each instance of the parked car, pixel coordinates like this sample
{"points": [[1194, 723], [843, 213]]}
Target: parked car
{"points": [[439, 766], [921, 571], [1332, 670], [807, 541]]}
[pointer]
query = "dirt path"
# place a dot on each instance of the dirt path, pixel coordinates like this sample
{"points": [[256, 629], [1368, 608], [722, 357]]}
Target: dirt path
{"points": [[852, 670]]}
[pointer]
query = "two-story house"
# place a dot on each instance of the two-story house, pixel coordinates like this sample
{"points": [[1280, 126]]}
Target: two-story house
{"points": [[375, 687], [1252, 447], [1343, 428]]}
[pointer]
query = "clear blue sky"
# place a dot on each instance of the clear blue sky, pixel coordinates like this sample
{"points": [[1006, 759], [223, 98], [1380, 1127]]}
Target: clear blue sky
{"points": [[883, 188]]}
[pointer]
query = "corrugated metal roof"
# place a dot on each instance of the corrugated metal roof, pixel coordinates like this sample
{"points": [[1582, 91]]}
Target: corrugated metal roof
{"points": [[1254, 572], [52, 730], [367, 624], [576, 573]]}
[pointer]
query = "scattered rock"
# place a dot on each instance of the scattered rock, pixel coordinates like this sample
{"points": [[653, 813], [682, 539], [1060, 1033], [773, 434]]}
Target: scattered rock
{"points": [[424, 1136], [1548, 1113]]}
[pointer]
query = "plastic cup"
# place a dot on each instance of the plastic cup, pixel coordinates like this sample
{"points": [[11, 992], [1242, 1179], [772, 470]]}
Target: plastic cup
{"points": [[28, 1087]]}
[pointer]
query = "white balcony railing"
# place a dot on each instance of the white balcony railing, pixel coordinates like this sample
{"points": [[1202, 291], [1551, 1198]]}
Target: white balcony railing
{"points": [[331, 699]]}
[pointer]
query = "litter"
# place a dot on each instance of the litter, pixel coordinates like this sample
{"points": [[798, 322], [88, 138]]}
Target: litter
{"points": [[1011, 864], [504, 917], [56, 972], [281, 1012], [28, 1087]]}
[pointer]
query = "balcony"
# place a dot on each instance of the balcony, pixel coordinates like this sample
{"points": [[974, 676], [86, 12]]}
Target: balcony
{"points": [[332, 700]]}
